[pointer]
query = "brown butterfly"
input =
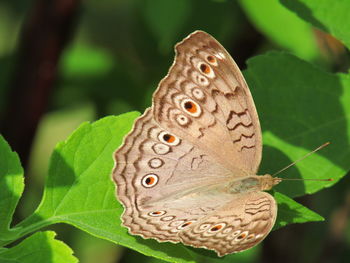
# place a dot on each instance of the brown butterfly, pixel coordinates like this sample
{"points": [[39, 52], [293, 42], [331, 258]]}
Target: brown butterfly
{"points": [[187, 170]]}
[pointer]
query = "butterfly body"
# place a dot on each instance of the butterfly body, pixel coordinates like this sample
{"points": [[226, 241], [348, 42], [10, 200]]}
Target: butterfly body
{"points": [[252, 183], [187, 170]]}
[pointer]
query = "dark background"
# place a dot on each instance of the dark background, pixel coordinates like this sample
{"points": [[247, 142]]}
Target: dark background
{"points": [[63, 62]]}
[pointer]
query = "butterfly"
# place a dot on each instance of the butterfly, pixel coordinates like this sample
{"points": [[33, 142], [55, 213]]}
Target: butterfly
{"points": [[187, 170]]}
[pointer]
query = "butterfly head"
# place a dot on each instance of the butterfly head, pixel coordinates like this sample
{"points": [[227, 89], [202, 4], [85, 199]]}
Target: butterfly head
{"points": [[267, 181]]}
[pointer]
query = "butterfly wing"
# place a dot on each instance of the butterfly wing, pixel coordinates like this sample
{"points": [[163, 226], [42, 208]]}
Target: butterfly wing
{"points": [[153, 169], [238, 225], [205, 99]]}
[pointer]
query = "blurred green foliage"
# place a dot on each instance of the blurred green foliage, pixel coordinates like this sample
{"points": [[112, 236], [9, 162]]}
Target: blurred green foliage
{"points": [[121, 49]]}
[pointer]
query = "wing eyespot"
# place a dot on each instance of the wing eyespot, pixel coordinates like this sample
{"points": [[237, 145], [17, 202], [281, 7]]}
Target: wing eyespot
{"points": [[198, 94], [236, 233], [217, 227], [183, 226], [212, 60], [168, 138], [251, 236], [149, 180], [202, 227], [191, 107], [167, 218], [227, 230], [182, 120], [155, 163], [160, 148], [157, 213], [242, 236], [206, 70], [203, 81], [199, 79]]}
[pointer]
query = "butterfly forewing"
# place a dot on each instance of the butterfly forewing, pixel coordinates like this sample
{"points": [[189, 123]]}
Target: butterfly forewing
{"points": [[205, 99]]}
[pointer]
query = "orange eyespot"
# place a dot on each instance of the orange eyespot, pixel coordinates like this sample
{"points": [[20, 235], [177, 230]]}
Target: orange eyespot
{"points": [[149, 180], [211, 59], [241, 236], [205, 68], [184, 225], [216, 228], [157, 213], [190, 107], [168, 138], [250, 236]]}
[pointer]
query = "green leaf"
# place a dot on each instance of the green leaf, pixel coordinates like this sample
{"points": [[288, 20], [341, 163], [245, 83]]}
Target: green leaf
{"points": [[328, 15], [11, 187], [42, 247], [282, 26], [300, 108], [290, 212]]}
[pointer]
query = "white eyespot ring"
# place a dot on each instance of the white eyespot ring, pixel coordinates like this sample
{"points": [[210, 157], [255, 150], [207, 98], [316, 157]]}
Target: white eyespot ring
{"points": [[167, 218], [149, 180], [182, 120], [199, 79], [216, 228], [168, 138], [157, 213], [191, 107], [227, 230], [205, 69], [155, 163], [198, 94], [202, 227], [160, 148]]}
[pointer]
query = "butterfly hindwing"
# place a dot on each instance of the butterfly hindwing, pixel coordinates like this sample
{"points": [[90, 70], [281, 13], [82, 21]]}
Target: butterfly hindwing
{"points": [[155, 168], [240, 224]]}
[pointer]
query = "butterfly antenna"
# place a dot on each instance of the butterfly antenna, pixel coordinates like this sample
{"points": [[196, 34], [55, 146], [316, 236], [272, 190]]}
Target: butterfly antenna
{"points": [[302, 158]]}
